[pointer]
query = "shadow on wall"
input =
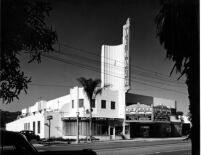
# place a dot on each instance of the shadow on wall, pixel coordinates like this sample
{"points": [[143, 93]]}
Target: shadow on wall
{"points": [[80, 152]]}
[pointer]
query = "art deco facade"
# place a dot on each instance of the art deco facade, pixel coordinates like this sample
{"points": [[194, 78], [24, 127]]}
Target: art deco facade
{"points": [[116, 113]]}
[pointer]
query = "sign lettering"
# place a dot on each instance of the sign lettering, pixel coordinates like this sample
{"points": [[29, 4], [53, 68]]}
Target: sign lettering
{"points": [[126, 54]]}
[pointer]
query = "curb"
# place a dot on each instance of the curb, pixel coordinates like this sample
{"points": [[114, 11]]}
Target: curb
{"points": [[110, 141]]}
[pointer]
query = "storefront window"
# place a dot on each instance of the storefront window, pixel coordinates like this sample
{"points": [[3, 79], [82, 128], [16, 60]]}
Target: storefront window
{"points": [[28, 126], [112, 105], [81, 103], [72, 103], [38, 126], [34, 127], [104, 130], [118, 130], [93, 103], [103, 104]]}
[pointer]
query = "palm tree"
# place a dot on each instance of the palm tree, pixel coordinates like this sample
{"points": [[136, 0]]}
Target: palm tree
{"points": [[178, 31], [92, 88]]}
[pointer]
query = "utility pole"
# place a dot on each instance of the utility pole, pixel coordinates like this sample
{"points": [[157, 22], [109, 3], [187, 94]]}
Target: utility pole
{"points": [[77, 114], [77, 127], [49, 128]]}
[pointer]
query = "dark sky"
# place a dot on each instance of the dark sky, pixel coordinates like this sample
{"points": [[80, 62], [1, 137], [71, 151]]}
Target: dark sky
{"points": [[83, 27]]}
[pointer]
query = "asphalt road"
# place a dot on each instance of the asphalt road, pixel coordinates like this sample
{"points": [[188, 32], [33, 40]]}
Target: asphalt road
{"points": [[171, 147], [176, 149]]}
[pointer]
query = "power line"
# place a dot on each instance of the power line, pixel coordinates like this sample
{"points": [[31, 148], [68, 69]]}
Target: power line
{"points": [[90, 68], [160, 87], [88, 59], [144, 78], [137, 67], [48, 85], [78, 49], [87, 67], [138, 71], [155, 74], [158, 78], [144, 71], [77, 56]]}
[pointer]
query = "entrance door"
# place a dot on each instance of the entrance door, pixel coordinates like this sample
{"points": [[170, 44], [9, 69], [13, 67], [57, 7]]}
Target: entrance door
{"points": [[144, 130], [111, 133]]}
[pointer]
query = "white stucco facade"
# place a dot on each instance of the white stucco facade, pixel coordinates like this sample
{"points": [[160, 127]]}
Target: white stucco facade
{"points": [[61, 108]]}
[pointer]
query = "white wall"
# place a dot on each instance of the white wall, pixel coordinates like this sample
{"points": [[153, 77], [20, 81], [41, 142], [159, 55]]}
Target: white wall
{"points": [[174, 119], [18, 125], [62, 107], [112, 66], [107, 95], [76, 94], [56, 124], [24, 111], [55, 127], [115, 65], [166, 102], [58, 103]]}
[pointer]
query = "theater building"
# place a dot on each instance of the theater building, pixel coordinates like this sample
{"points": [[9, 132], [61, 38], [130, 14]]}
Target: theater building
{"points": [[116, 113], [148, 116]]}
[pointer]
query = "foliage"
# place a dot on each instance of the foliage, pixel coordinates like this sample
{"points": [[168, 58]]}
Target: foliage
{"points": [[7, 117], [23, 29], [92, 88], [178, 27], [178, 31]]}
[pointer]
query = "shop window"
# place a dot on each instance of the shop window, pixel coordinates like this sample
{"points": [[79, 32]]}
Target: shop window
{"points": [[34, 127], [104, 130], [118, 130], [103, 104], [38, 126], [111, 131], [81, 103], [112, 105], [28, 126], [93, 103], [72, 104]]}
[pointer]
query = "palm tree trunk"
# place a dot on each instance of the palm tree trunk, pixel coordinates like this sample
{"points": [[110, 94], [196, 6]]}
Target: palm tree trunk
{"points": [[194, 106], [90, 124], [90, 120]]}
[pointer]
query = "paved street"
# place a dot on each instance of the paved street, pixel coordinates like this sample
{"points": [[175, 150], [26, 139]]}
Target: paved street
{"points": [[145, 150], [170, 147]]}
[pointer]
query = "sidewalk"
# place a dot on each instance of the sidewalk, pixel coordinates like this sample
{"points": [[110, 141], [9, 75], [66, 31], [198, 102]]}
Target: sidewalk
{"points": [[108, 141], [136, 140]]}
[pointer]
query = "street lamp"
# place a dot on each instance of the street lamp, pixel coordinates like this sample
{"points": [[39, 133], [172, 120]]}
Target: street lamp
{"points": [[77, 127], [49, 118], [77, 114]]}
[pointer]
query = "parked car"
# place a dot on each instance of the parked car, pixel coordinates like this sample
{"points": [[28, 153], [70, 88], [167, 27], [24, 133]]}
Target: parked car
{"points": [[13, 143], [30, 135]]}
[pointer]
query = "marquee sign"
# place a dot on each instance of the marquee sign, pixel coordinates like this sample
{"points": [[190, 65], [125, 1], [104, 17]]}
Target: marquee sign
{"points": [[162, 113], [87, 118], [139, 109], [126, 43], [139, 112], [139, 117]]}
